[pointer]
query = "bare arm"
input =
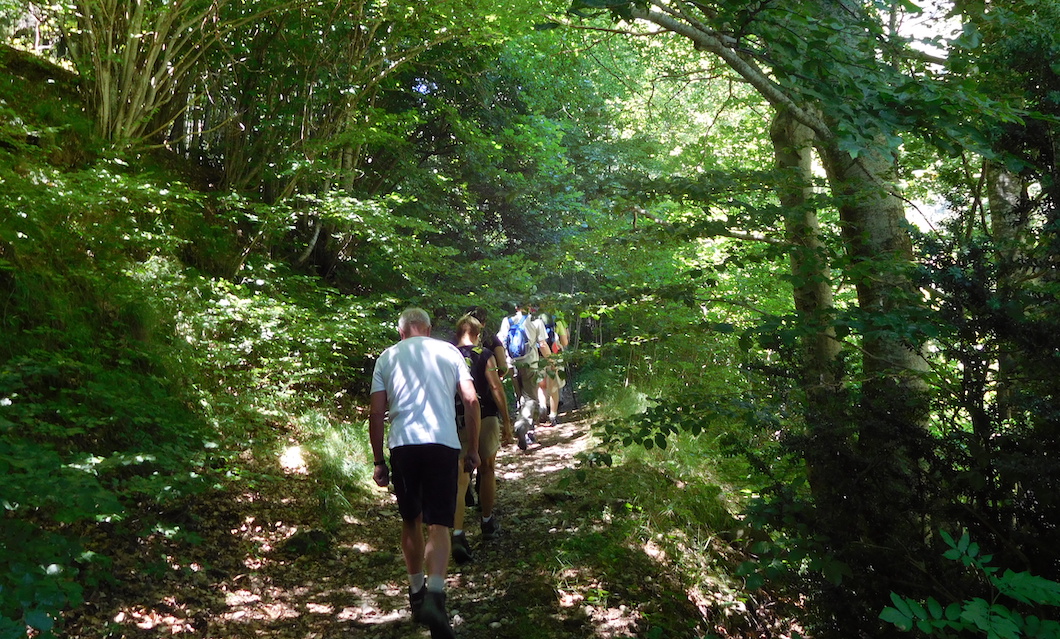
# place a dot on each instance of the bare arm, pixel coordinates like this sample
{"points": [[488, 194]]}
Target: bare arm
{"points": [[472, 421], [500, 398], [376, 427], [501, 359], [542, 340]]}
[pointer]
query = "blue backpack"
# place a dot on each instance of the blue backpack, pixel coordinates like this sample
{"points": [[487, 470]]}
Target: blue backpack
{"points": [[517, 340]]}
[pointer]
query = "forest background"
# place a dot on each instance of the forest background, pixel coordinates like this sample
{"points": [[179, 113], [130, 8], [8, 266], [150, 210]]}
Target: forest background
{"points": [[807, 250]]}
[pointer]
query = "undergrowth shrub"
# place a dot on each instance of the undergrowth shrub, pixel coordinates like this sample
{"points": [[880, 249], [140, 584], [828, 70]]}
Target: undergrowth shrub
{"points": [[39, 568], [95, 415], [340, 464], [1017, 601]]}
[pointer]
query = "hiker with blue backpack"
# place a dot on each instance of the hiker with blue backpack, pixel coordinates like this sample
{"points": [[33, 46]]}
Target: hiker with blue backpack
{"points": [[524, 338]]}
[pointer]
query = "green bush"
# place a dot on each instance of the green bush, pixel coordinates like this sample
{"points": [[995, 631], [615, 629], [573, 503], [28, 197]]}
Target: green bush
{"points": [[1000, 617], [42, 490]]}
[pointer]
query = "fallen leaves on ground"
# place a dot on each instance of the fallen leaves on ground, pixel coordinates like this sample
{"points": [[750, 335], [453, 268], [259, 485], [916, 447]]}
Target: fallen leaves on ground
{"points": [[259, 563]]}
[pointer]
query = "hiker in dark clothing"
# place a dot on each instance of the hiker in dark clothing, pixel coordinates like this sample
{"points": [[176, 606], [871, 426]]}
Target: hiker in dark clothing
{"points": [[493, 406], [490, 342]]}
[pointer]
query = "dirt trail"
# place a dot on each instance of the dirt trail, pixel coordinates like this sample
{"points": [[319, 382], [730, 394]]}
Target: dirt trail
{"points": [[261, 566], [508, 590]]}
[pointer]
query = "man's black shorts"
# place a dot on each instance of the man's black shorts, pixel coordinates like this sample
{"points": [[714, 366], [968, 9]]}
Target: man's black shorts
{"points": [[424, 477]]}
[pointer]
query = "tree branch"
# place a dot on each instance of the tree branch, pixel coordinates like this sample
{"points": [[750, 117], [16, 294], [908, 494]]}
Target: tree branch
{"points": [[713, 42]]}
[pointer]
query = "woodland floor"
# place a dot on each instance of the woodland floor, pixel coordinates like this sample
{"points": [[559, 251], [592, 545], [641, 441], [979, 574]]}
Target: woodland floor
{"points": [[565, 565]]}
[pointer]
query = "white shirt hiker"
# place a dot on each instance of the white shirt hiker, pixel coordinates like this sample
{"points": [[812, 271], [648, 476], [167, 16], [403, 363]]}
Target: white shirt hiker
{"points": [[421, 376], [535, 334]]}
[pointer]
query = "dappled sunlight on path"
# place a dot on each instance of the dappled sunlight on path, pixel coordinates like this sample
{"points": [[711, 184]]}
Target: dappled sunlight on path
{"points": [[555, 449], [569, 562]]}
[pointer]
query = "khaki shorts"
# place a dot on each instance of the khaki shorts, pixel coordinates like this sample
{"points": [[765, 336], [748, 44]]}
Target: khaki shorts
{"points": [[489, 438], [530, 375], [555, 379]]}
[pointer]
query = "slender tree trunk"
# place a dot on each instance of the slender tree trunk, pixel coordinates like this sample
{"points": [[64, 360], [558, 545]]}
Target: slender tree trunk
{"points": [[1006, 195], [793, 147], [827, 428]]}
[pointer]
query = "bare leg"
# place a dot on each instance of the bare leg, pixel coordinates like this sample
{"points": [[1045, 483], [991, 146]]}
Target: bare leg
{"points": [[488, 488], [463, 479], [437, 550], [542, 396], [553, 397], [412, 545]]}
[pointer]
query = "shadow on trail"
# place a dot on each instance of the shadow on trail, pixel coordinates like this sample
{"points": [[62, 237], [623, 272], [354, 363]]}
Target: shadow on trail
{"points": [[573, 560]]}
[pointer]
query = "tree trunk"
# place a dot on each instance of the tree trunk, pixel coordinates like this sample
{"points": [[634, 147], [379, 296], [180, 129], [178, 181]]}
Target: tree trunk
{"points": [[887, 489], [827, 429], [1006, 195], [792, 147]]}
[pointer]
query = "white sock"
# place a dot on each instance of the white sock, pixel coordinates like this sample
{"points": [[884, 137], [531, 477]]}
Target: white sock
{"points": [[486, 519], [436, 583], [458, 531], [416, 582]]}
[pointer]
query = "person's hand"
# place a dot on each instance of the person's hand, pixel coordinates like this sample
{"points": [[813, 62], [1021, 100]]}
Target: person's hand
{"points": [[381, 475], [471, 461]]}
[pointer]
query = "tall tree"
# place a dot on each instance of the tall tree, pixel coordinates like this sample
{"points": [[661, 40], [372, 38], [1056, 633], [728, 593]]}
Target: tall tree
{"points": [[810, 60]]}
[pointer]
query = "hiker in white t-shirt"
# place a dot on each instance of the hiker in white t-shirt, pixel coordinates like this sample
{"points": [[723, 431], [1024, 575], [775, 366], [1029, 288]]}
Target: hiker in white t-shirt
{"points": [[413, 386]]}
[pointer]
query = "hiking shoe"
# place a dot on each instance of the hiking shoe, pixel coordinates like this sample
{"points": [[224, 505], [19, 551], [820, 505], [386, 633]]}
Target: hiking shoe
{"points": [[434, 616], [461, 550], [416, 602], [522, 436], [490, 528], [553, 420]]}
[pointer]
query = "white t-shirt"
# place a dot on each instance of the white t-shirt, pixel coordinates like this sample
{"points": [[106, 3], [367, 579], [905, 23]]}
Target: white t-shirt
{"points": [[535, 334], [421, 377]]}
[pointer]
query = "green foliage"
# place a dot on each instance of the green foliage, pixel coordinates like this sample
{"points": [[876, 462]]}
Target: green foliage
{"points": [[39, 569], [33, 123], [794, 551], [996, 618], [340, 461]]}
